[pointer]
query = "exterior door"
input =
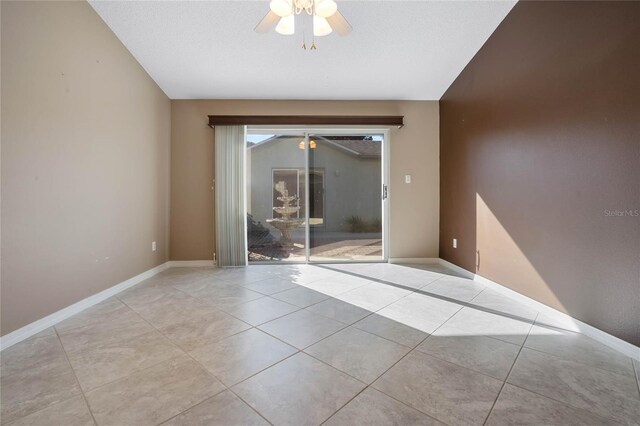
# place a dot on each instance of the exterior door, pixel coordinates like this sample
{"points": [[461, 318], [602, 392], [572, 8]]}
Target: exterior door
{"points": [[316, 197]]}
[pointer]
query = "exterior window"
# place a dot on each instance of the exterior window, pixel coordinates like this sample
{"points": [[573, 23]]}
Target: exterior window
{"points": [[294, 182], [316, 197], [291, 179]]}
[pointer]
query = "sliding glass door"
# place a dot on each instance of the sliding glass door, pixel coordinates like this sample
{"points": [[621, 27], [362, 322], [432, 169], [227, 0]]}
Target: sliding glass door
{"points": [[316, 197], [275, 166], [345, 198]]}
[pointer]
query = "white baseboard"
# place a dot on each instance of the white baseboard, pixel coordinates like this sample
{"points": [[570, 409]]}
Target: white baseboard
{"points": [[457, 269], [567, 321], [190, 263], [559, 319], [53, 319], [415, 260]]}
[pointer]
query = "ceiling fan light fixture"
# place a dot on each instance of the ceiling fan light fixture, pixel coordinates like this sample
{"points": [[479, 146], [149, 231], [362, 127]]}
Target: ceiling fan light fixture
{"points": [[326, 8], [281, 8], [287, 25], [325, 18], [320, 26]]}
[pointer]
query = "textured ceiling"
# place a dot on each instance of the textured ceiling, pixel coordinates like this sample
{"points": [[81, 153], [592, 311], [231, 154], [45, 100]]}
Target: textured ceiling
{"points": [[397, 50]]}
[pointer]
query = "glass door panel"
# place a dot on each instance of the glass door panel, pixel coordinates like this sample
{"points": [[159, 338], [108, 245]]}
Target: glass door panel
{"points": [[276, 166], [345, 198]]}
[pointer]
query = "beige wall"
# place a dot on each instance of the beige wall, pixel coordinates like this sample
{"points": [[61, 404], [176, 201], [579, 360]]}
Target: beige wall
{"points": [[85, 160], [414, 217]]}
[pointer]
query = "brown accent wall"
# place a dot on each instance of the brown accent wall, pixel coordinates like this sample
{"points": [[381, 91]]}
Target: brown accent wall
{"points": [[85, 160], [540, 145], [414, 150]]}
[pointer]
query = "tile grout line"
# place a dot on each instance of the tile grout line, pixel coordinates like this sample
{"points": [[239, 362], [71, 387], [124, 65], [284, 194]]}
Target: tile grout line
{"points": [[317, 359], [386, 370], [298, 351], [14, 421], [407, 405], [463, 366], [368, 385], [81, 312], [139, 369], [411, 350], [84, 397], [249, 377], [188, 355], [352, 325], [39, 410], [202, 300], [551, 398], [394, 398], [508, 374], [56, 333], [566, 404], [312, 289], [561, 358], [210, 398], [316, 303], [262, 323], [249, 405], [415, 348], [464, 304], [144, 368], [255, 327], [346, 325], [344, 405], [175, 343], [448, 299], [209, 372]]}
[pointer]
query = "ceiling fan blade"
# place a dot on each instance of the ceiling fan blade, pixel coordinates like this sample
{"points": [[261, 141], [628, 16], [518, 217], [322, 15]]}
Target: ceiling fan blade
{"points": [[266, 23], [339, 24]]}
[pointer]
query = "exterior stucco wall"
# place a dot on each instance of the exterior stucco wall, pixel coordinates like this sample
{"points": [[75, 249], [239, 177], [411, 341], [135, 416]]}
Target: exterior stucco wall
{"points": [[352, 185]]}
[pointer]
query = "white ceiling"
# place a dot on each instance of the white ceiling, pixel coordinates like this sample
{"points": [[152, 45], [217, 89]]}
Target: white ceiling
{"points": [[397, 50]]}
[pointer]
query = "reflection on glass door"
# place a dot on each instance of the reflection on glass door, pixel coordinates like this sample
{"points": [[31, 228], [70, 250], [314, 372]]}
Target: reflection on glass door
{"points": [[321, 192], [345, 198]]}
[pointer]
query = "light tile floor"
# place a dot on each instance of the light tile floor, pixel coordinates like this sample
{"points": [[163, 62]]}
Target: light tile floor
{"points": [[351, 344]]}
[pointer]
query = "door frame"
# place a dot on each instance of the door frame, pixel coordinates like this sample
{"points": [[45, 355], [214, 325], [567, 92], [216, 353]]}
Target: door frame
{"points": [[336, 131]]}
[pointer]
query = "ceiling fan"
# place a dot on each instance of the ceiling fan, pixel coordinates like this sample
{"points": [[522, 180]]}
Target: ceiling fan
{"points": [[326, 17]]}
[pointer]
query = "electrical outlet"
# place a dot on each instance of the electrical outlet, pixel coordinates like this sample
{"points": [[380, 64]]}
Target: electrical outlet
{"points": [[455, 243], [407, 178], [153, 246]]}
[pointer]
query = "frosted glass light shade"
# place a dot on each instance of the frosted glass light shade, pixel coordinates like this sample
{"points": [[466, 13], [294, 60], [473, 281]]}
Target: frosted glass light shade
{"points": [[320, 26], [326, 8], [287, 25], [281, 8]]}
